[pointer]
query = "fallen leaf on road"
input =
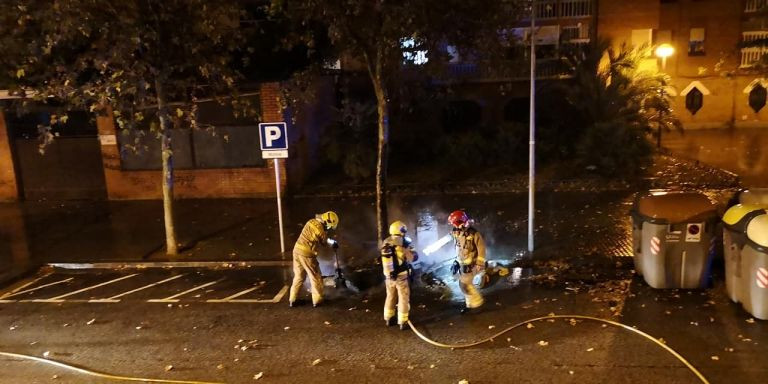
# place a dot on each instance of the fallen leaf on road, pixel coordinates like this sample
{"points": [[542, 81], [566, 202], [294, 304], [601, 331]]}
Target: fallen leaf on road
{"points": [[715, 358], [54, 377], [529, 326], [432, 366], [464, 381], [750, 320], [491, 326], [91, 322], [570, 372], [590, 349], [543, 343], [220, 366], [258, 375], [287, 328], [411, 367], [317, 361], [327, 323], [168, 368], [12, 327], [661, 340], [46, 354]]}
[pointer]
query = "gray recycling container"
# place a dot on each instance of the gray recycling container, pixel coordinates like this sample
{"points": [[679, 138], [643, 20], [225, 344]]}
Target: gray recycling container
{"points": [[735, 223], [674, 244], [754, 268], [754, 196]]}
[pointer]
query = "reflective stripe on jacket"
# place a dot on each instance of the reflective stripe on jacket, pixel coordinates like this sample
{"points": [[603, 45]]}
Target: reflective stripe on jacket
{"points": [[311, 236], [470, 246], [403, 255]]}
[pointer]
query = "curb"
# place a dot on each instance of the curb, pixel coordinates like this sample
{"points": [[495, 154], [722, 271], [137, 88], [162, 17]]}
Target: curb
{"points": [[173, 264]]}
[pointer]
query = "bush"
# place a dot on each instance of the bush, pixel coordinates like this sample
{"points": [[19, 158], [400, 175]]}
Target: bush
{"points": [[614, 149]]}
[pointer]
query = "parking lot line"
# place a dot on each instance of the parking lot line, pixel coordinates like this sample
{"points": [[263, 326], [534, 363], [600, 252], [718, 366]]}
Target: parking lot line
{"points": [[113, 299], [16, 292], [173, 299], [274, 300], [27, 284], [59, 298]]}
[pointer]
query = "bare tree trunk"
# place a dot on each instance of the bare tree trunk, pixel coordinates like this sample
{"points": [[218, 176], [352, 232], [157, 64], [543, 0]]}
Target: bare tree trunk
{"points": [[171, 246], [382, 104]]}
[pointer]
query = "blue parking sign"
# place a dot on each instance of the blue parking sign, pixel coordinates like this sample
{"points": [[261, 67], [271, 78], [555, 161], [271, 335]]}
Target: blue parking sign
{"points": [[274, 136]]}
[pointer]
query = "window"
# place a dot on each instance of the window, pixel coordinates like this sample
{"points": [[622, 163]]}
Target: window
{"points": [[757, 97], [642, 37], [694, 100], [231, 142], [412, 55], [696, 42]]}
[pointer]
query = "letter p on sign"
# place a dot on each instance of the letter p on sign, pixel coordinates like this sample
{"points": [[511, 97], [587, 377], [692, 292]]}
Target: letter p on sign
{"points": [[273, 136]]}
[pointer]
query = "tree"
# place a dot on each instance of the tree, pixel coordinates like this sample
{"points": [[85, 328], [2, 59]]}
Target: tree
{"points": [[126, 57], [382, 35], [620, 105]]}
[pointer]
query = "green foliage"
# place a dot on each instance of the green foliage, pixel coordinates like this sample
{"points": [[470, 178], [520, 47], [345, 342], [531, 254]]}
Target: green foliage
{"points": [[620, 104], [502, 145], [350, 139]]}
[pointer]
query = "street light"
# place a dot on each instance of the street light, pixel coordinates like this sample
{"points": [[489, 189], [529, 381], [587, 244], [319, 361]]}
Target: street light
{"points": [[662, 51]]}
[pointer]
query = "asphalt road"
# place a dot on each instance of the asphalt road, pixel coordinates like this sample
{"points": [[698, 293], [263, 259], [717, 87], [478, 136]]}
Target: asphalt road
{"points": [[202, 336]]}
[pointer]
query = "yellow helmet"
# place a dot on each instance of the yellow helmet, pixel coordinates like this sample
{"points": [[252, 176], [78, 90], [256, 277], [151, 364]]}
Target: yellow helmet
{"points": [[397, 228], [331, 219]]}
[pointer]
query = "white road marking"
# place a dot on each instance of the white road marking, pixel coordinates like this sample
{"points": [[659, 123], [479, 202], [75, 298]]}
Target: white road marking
{"points": [[279, 296], [172, 299], [11, 294], [58, 299], [8, 294], [113, 299], [237, 294]]}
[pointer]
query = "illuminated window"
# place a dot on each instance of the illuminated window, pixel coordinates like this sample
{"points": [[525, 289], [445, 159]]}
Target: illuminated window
{"points": [[696, 42], [411, 55]]}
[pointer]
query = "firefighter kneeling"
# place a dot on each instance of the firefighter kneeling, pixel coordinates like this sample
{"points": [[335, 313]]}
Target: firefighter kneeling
{"points": [[396, 256]]}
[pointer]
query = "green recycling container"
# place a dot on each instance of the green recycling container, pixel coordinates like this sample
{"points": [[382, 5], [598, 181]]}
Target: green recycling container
{"points": [[673, 237], [754, 268]]}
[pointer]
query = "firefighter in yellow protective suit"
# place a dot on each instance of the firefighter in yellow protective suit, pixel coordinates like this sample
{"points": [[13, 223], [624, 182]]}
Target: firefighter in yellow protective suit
{"points": [[314, 234], [396, 256], [470, 258]]}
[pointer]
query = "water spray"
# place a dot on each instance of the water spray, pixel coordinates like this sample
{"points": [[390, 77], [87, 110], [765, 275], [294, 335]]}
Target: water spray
{"points": [[434, 247]]}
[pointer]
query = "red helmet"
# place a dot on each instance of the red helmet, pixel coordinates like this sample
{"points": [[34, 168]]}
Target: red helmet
{"points": [[457, 218]]}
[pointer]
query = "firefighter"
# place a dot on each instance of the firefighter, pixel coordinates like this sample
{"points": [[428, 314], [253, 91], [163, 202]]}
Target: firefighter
{"points": [[470, 258], [396, 256], [314, 234]]}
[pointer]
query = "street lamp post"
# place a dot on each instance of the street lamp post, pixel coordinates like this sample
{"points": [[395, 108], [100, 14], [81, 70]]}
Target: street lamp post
{"points": [[662, 51]]}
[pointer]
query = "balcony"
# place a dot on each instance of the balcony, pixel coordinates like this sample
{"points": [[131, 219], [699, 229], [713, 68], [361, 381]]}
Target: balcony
{"points": [[545, 69], [755, 5], [564, 9], [751, 55]]}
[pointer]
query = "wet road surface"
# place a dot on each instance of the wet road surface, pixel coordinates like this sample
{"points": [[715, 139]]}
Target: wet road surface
{"points": [[743, 151]]}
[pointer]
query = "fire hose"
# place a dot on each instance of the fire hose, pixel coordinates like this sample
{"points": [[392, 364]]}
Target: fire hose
{"points": [[99, 374], [582, 317]]}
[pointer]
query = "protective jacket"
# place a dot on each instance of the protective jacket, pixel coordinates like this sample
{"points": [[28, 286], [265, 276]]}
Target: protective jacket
{"points": [[396, 256], [470, 246], [313, 235]]}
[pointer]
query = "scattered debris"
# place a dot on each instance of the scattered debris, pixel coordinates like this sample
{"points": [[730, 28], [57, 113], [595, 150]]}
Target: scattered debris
{"points": [[715, 358], [316, 362], [491, 326], [168, 368], [91, 322], [751, 320], [530, 325], [258, 375], [543, 343], [46, 354], [220, 366], [590, 349]]}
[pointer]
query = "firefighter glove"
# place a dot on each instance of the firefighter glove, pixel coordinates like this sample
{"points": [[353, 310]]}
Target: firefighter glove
{"points": [[455, 267]]}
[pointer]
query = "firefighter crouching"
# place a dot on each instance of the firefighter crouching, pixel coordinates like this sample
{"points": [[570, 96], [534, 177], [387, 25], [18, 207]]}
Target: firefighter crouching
{"points": [[470, 258], [396, 256], [314, 234]]}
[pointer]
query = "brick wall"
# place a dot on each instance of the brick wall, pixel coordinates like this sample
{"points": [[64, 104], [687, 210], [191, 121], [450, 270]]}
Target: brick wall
{"points": [[8, 187], [197, 183]]}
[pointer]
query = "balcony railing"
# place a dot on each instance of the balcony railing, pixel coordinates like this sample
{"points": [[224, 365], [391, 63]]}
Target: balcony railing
{"points": [[563, 9], [574, 34], [750, 55], [755, 5], [545, 69]]}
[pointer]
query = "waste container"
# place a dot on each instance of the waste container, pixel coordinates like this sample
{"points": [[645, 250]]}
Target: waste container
{"points": [[735, 223], [754, 196], [754, 268], [674, 246]]}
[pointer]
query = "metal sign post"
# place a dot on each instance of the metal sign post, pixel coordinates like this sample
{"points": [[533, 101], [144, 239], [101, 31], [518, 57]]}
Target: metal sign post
{"points": [[274, 145]]}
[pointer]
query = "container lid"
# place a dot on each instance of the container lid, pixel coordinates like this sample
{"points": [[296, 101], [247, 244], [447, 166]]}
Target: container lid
{"points": [[758, 196], [739, 211], [757, 231], [675, 207]]}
